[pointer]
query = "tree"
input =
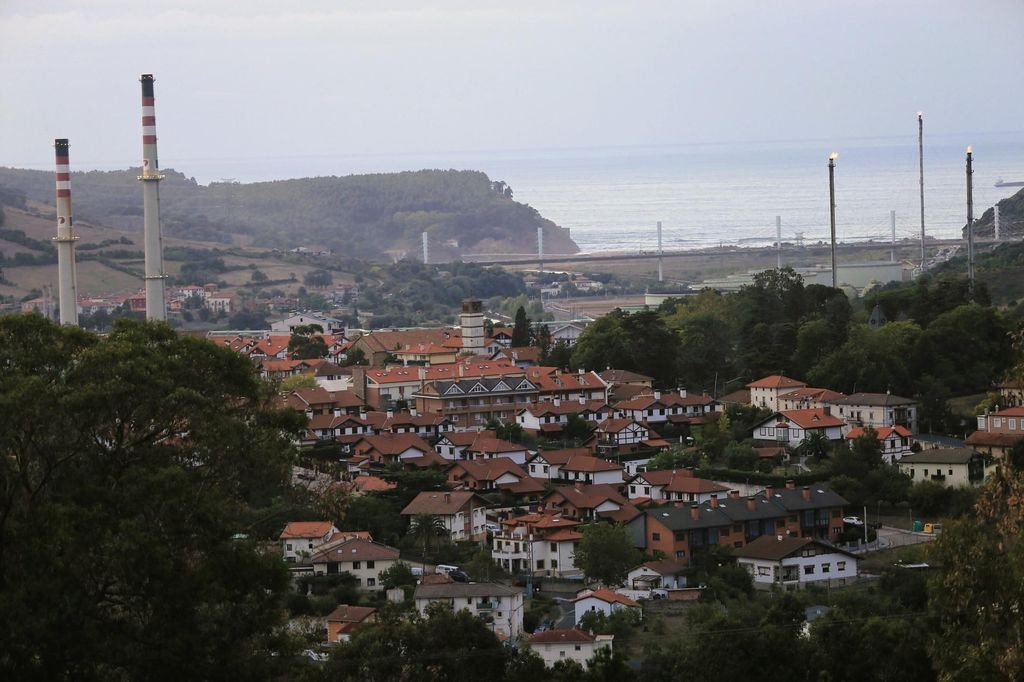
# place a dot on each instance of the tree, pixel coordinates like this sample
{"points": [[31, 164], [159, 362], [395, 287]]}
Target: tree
{"points": [[318, 279], [558, 355], [815, 444], [258, 277], [521, 329], [307, 342], [540, 337], [397, 575], [130, 462], [298, 381], [425, 528], [606, 553]]}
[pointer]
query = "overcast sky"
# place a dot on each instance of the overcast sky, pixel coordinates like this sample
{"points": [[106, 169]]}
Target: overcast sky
{"points": [[260, 78]]}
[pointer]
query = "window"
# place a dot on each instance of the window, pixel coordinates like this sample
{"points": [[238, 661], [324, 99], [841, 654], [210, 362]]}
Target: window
{"points": [[808, 570], [355, 565], [647, 491], [540, 563], [680, 535], [680, 554], [738, 528], [825, 568], [370, 582], [764, 570], [926, 473], [1012, 423], [632, 490], [656, 536], [370, 564], [950, 472], [840, 565], [554, 563], [311, 544], [554, 546], [738, 544], [579, 648], [288, 546], [561, 654], [780, 523]]}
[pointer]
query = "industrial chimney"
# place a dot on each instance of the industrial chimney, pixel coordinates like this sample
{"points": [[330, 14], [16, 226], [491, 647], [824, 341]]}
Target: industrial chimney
{"points": [[67, 280], [156, 307]]}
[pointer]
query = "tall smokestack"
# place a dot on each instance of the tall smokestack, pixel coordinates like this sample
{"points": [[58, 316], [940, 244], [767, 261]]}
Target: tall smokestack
{"points": [[661, 277], [67, 280], [970, 221], [426, 253], [156, 307]]}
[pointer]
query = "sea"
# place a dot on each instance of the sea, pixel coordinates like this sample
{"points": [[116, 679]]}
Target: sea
{"points": [[611, 198]]}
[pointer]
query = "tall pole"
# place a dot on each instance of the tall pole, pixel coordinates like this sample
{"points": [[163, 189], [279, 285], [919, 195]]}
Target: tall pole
{"points": [[832, 212], [920, 157], [156, 306], [778, 239], [970, 221], [540, 250], [67, 279], [995, 220], [660, 271], [892, 223], [426, 254]]}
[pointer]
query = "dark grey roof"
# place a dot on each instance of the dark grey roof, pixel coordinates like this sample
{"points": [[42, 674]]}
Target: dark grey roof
{"points": [[873, 399], [467, 383], [451, 590], [792, 499], [944, 441], [783, 501], [941, 456]]}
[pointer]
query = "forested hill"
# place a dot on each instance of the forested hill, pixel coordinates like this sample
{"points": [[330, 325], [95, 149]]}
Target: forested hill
{"points": [[1011, 219], [367, 216]]}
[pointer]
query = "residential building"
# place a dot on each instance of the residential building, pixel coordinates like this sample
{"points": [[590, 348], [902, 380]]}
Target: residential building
{"points": [[672, 485], [344, 620], [568, 645], [364, 559], [793, 563], [452, 445], [546, 463], [489, 447], [1012, 392], [300, 538], [622, 377], [580, 502], [486, 474], [895, 441], [998, 431], [395, 448], [620, 436], [603, 601], [877, 410], [330, 325], [766, 392], [793, 426], [591, 470], [679, 532], [537, 543], [677, 407], [472, 402], [409, 421], [463, 512], [808, 398], [498, 606], [554, 384], [550, 417], [952, 467], [657, 577]]}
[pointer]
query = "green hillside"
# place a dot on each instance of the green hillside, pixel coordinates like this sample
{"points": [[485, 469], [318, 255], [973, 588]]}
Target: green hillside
{"points": [[366, 216]]}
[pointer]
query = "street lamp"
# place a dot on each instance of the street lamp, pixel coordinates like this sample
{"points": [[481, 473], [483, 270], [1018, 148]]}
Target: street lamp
{"points": [[832, 212]]}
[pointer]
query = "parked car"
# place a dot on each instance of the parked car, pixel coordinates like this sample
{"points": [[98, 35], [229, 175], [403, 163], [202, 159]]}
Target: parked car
{"points": [[445, 569], [459, 576], [492, 528], [853, 521]]}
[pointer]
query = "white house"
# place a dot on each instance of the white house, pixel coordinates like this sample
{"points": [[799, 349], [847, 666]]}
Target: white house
{"points": [[542, 544], [895, 441], [657, 576], [952, 467], [765, 392], [568, 645], [877, 410], [677, 485], [547, 463], [462, 511], [793, 426], [330, 325], [498, 606], [587, 469], [364, 559], [794, 563], [603, 600], [300, 538]]}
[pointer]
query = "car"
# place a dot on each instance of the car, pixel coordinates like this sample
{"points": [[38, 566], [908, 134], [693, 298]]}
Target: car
{"points": [[853, 521], [459, 576], [492, 528], [445, 569]]}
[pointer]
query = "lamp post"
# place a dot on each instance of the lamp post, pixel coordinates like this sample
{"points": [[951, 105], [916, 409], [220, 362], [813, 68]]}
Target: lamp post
{"points": [[920, 157], [832, 212], [970, 222]]}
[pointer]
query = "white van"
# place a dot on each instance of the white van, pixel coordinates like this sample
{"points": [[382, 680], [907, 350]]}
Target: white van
{"points": [[445, 569], [416, 571]]}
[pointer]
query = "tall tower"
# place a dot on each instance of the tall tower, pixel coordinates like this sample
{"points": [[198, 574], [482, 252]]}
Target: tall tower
{"points": [[67, 279], [472, 322], [156, 306]]}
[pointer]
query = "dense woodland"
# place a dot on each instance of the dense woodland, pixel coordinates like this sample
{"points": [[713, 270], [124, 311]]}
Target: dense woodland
{"points": [[365, 216]]}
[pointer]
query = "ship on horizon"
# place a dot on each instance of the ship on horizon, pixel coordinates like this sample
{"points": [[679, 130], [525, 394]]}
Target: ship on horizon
{"points": [[1001, 183]]}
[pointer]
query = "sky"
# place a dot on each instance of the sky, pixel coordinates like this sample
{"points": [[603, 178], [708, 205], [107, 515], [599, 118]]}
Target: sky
{"points": [[266, 79]]}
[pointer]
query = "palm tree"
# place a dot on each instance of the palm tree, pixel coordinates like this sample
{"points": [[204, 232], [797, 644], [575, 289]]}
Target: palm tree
{"points": [[425, 527]]}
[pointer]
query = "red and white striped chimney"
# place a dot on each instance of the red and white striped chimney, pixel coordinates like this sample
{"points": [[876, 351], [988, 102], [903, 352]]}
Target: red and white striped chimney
{"points": [[67, 280], [156, 306]]}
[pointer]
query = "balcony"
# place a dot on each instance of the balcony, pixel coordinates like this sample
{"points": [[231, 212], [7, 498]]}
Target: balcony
{"points": [[486, 605]]}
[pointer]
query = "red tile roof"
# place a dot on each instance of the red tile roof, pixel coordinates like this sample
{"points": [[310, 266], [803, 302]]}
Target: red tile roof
{"points": [[776, 381], [882, 432], [680, 481], [356, 549], [814, 418], [587, 463], [441, 503], [572, 636], [487, 469], [306, 529], [350, 614], [606, 595]]}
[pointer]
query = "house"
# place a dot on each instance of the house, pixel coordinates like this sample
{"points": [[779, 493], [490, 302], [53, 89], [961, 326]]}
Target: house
{"points": [[409, 421], [678, 532], [952, 467], [520, 356], [568, 645], [793, 426], [602, 600], [793, 563], [998, 431], [425, 354], [363, 558], [344, 620], [877, 410], [300, 538], [672, 485], [538, 543], [588, 469], [345, 428], [658, 408], [807, 398], [580, 501], [620, 436], [463, 512], [547, 463], [895, 441], [330, 325], [548, 418], [498, 606], [656, 577], [1012, 392], [472, 402], [567, 333], [394, 448], [766, 392], [490, 447], [452, 445], [486, 474], [622, 377]]}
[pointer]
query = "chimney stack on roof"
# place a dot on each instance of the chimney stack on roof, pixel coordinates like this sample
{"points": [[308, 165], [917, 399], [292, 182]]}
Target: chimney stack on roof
{"points": [[751, 504], [806, 493], [447, 498], [682, 392], [657, 395], [734, 494], [714, 501], [768, 490], [790, 484], [695, 512]]}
